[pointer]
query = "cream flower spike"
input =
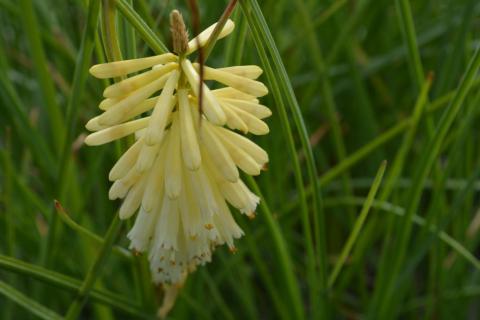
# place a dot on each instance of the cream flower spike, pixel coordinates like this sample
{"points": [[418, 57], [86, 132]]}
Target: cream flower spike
{"points": [[183, 171]]}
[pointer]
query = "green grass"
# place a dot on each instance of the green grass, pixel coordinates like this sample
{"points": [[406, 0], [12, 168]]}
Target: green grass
{"points": [[352, 83]]}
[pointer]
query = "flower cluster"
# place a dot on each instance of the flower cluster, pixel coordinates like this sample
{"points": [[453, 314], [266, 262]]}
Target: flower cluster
{"points": [[183, 168]]}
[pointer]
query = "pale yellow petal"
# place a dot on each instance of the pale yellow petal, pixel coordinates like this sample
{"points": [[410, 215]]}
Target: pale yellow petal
{"points": [[167, 228], [144, 106], [190, 148], [173, 162], [146, 157], [246, 85], [119, 68], [257, 153], [258, 110], [202, 38], [155, 185], [232, 194], [233, 120], [219, 155], [115, 113], [250, 200], [247, 71], [190, 211], [116, 132], [131, 84], [230, 190], [255, 125], [200, 190], [241, 158], [126, 161], [225, 224], [140, 133], [142, 231], [211, 108], [133, 199], [238, 195], [106, 104], [93, 125], [117, 191], [161, 112], [120, 187], [229, 92]]}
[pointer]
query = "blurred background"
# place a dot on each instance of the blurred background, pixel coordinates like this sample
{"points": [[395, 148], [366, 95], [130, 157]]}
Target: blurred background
{"points": [[374, 80]]}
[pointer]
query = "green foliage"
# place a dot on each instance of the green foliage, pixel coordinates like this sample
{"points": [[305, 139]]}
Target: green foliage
{"points": [[348, 89]]}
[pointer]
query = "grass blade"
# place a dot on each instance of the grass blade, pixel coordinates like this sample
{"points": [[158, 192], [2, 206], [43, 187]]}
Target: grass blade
{"points": [[358, 225], [384, 308], [57, 127], [416, 219], [142, 28], [15, 110], [383, 138], [79, 79], [326, 92], [27, 303], [94, 272], [65, 282], [408, 29], [265, 39], [282, 251], [89, 234]]}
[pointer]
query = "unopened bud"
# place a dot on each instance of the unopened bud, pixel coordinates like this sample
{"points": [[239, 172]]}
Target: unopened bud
{"points": [[179, 33]]}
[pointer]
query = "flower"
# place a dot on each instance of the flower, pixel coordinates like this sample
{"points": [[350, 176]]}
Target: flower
{"points": [[183, 168]]}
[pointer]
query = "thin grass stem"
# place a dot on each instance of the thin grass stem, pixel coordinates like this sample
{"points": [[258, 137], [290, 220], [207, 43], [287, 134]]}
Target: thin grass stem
{"points": [[141, 27], [68, 283], [95, 270], [357, 227], [40, 62], [28, 304], [423, 169]]}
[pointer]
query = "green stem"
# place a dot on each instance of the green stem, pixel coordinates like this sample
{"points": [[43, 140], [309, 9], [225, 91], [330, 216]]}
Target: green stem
{"points": [[89, 234], [282, 251], [416, 219], [78, 86], [8, 211], [329, 12], [287, 131], [414, 196], [45, 81], [142, 28], [338, 142], [465, 292], [392, 178], [109, 31], [94, 272], [385, 137], [65, 282], [266, 277], [399, 162], [130, 42], [358, 225], [408, 29], [327, 92], [29, 304], [19, 119], [265, 39], [364, 151], [360, 7], [218, 28]]}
